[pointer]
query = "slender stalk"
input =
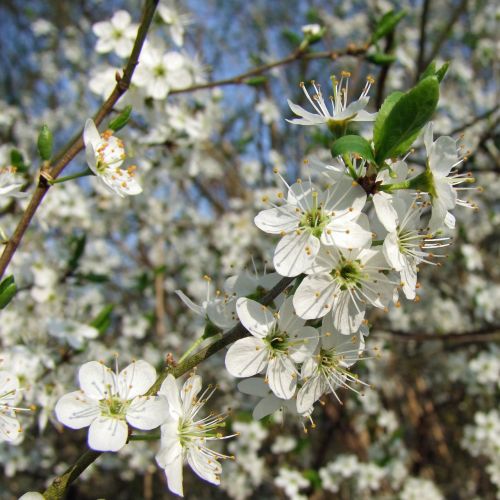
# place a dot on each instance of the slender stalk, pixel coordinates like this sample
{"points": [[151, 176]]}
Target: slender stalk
{"points": [[85, 173], [75, 145]]}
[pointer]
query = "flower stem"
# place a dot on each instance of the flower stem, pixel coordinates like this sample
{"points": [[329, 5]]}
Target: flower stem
{"points": [[193, 346], [144, 437], [85, 173], [348, 162]]}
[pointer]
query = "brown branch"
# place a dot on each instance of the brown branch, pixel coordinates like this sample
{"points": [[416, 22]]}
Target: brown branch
{"points": [[446, 32], [350, 50], [487, 334], [423, 36], [76, 144]]}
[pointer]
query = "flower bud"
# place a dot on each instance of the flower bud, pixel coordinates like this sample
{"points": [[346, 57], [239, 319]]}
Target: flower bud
{"points": [[45, 143]]}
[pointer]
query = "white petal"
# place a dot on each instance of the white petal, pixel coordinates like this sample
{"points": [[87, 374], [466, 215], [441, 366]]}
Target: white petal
{"points": [[346, 235], [305, 348], [345, 199], [91, 134], [266, 406], [107, 434], [189, 303], [136, 379], [75, 410], [277, 220], [97, 381], [347, 315], [255, 317], [392, 252], [246, 357], [309, 393], [147, 412], [10, 427], [428, 137], [254, 387], [173, 472], [443, 156], [386, 213], [288, 321], [121, 19], [170, 390], [409, 280], [192, 386], [171, 447], [314, 296], [295, 253], [282, 376], [309, 117], [204, 466]]}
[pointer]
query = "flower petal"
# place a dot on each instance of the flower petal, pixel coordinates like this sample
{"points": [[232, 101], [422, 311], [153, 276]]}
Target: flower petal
{"points": [[282, 376], [97, 381], [107, 434], [277, 220], [246, 357], [295, 253], [136, 379], [255, 317], [314, 296], [147, 412], [75, 410]]}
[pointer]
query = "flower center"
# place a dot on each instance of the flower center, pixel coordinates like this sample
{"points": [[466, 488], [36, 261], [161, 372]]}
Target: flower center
{"points": [[348, 274], [114, 407], [277, 341], [314, 220]]}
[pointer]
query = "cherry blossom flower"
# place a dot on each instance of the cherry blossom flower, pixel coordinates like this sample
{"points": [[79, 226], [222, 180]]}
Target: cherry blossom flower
{"points": [[311, 217], [116, 35], [343, 282], [184, 438], [442, 178], [407, 246], [10, 428], [105, 154], [328, 369], [341, 113], [160, 71], [174, 20], [108, 402], [277, 342]]}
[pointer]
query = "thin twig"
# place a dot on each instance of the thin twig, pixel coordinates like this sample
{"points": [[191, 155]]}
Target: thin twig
{"points": [[423, 36], [76, 144]]}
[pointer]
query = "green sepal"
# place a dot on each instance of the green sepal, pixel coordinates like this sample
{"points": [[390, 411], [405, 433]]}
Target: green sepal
{"points": [[8, 289], [387, 23], [103, 320], [406, 118], [353, 144], [121, 120], [45, 143], [210, 330]]}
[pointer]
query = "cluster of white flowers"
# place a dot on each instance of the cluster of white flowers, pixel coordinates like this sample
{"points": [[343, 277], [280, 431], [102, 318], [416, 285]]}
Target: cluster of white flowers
{"points": [[108, 403]]}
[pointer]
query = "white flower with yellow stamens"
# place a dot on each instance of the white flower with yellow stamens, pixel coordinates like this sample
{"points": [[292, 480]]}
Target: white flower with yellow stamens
{"points": [[277, 343], [342, 283], [108, 402], [341, 113], [10, 428], [105, 154], [184, 436], [328, 370], [311, 217]]}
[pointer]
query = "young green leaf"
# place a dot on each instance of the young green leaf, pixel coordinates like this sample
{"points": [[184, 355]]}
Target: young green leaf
{"points": [[45, 143], [387, 23], [381, 59], [353, 144], [432, 71], [7, 290], [406, 118], [103, 320], [121, 120], [386, 107]]}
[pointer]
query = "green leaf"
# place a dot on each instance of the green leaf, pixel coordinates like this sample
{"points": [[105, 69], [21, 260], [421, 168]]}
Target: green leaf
{"points": [[291, 37], [387, 24], [353, 144], [7, 290], [121, 120], [17, 160], [256, 80], [406, 118], [77, 245], [314, 478], [432, 71], [103, 320], [381, 59], [385, 109], [45, 143]]}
